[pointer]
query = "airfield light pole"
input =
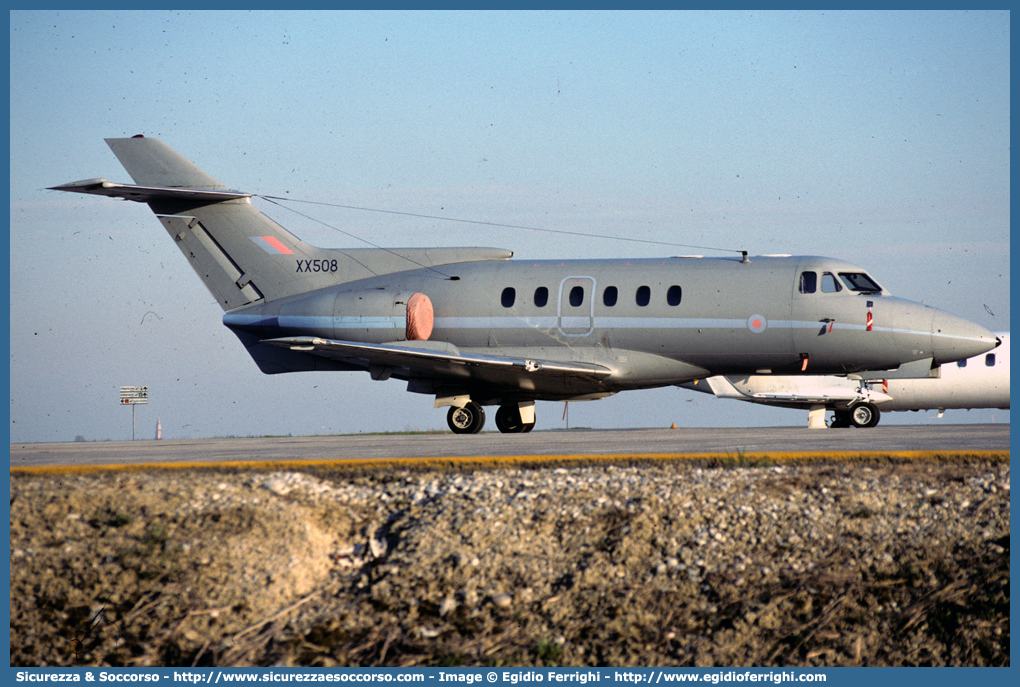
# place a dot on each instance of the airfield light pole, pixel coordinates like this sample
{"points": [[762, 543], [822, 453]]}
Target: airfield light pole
{"points": [[132, 396]]}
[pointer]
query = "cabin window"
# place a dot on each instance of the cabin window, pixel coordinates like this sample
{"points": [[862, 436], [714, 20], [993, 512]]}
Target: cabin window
{"points": [[808, 282], [674, 295], [609, 296], [644, 296], [860, 282], [829, 283], [508, 297], [577, 296], [541, 296], [990, 360], [961, 363]]}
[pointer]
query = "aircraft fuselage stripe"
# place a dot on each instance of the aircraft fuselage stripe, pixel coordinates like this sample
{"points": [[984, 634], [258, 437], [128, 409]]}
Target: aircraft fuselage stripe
{"points": [[512, 322]]}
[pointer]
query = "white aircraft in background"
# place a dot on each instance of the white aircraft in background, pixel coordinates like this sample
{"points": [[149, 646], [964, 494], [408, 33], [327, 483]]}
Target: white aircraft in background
{"points": [[858, 400]]}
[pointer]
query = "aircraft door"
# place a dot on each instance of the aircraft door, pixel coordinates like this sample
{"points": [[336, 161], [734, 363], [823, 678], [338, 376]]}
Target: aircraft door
{"points": [[816, 302], [830, 319], [576, 306]]}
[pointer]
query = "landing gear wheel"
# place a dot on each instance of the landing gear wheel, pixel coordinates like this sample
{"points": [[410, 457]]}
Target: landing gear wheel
{"points": [[508, 420], [466, 420], [864, 415], [840, 419], [528, 427]]}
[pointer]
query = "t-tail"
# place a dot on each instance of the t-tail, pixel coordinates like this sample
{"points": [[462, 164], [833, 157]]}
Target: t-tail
{"points": [[240, 254]]}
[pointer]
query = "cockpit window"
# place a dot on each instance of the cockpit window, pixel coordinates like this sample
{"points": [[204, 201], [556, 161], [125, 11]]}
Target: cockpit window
{"points": [[808, 282], [829, 283], [859, 282]]}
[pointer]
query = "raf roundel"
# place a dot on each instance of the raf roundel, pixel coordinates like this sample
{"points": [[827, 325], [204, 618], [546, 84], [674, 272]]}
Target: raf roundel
{"points": [[756, 323]]}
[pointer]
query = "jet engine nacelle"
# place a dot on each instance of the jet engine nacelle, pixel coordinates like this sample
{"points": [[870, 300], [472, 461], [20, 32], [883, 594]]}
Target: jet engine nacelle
{"points": [[370, 316], [380, 316]]}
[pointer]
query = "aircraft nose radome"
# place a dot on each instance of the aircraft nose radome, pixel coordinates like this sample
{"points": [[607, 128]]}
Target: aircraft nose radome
{"points": [[954, 338]]}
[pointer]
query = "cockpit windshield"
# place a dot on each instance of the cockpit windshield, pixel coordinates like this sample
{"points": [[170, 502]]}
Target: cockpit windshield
{"points": [[859, 282]]}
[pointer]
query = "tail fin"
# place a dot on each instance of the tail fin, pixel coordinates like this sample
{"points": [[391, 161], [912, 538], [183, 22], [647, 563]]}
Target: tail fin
{"points": [[150, 162], [241, 255]]}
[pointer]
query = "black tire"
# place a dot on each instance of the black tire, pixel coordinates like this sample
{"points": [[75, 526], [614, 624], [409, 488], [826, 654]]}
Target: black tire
{"points": [[467, 420], [840, 419], [864, 415], [875, 418], [508, 420]]}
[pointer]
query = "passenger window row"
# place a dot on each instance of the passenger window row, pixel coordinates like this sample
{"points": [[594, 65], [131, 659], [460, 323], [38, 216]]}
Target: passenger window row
{"points": [[643, 296], [989, 361]]}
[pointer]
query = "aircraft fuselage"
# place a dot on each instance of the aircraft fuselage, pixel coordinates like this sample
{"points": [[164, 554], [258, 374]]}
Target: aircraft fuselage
{"points": [[652, 322]]}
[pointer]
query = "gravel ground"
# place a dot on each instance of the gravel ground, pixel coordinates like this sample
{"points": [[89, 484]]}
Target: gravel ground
{"points": [[820, 564]]}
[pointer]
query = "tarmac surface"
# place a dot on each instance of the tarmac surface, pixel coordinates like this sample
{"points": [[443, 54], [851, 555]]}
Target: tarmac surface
{"points": [[540, 444], [775, 547]]}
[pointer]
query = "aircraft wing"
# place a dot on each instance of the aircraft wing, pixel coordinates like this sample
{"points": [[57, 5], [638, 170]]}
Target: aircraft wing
{"points": [[819, 398], [793, 391], [436, 358]]}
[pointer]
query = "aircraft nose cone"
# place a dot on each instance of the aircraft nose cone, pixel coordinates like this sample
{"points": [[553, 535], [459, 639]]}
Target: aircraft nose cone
{"points": [[954, 338]]}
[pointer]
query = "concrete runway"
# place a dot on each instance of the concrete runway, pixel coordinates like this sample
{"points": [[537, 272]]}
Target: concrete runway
{"points": [[630, 442]]}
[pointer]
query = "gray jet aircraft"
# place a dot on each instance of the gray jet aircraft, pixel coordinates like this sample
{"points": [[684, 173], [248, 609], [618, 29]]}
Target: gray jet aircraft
{"points": [[474, 328]]}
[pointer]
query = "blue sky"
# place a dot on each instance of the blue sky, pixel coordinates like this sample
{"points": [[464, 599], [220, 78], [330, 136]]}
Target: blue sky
{"points": [[878, 138]]}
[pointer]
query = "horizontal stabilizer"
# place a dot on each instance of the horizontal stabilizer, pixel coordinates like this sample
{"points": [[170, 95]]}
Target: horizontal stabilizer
{"points": [[148, 194]]}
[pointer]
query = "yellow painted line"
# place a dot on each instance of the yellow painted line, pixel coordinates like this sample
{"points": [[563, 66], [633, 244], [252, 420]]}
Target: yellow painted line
{"points": [[731, 459]]}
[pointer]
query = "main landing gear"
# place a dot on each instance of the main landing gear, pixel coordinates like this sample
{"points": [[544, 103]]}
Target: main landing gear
{"points": [[466, 420], [471, 418], [860, 415], [508, 420]]}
